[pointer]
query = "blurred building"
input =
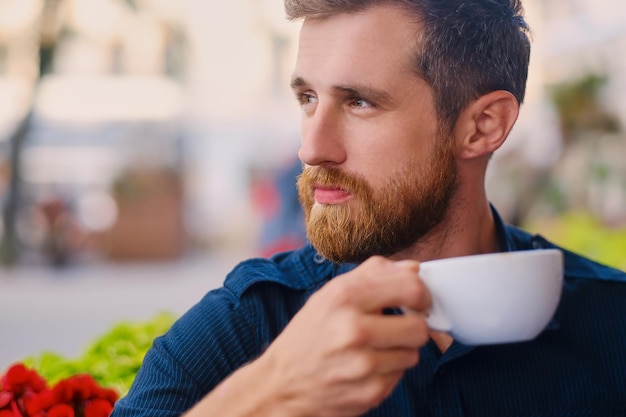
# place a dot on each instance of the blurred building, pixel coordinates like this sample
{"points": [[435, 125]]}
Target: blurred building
{"points": [[105, 104], [187, 87]]}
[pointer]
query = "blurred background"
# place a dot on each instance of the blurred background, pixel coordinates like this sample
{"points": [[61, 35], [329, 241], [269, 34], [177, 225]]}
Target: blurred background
{"points": [[146, 146]]}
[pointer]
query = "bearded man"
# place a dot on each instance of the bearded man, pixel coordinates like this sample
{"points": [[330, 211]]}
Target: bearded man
{"points": [[403, 103]]}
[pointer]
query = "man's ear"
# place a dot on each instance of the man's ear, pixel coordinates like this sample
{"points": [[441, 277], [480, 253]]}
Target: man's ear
{"points": [[484, 125]]}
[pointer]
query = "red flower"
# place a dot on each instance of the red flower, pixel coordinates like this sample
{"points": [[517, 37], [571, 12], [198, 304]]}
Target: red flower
{"points": [[63, 392], [39, 403], [98, 408], [61, 410], [23, 393], [107, 394], [77, 388], [19, 386], [19, 379], [5, 399]]}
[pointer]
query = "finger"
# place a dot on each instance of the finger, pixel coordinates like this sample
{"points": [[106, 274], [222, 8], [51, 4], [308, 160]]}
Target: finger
{"points": [[364, 395], [379, 283], [366, 363], [393, 360], [395, 331]]}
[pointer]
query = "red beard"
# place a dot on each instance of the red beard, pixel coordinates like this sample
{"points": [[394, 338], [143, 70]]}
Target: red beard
{"points": [[377, 221]]}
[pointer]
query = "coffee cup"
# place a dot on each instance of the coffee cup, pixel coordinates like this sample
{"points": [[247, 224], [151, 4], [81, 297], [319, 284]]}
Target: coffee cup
{"points": [[494, 298]]}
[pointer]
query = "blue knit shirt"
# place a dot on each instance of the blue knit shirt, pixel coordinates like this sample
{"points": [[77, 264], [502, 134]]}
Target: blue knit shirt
{"points": [[576, 367]]}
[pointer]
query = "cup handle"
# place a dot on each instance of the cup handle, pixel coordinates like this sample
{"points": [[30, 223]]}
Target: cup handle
{"points": [[436, 319]]}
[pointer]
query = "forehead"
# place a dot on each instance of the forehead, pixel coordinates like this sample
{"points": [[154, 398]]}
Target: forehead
{"points": [[379, 40]]}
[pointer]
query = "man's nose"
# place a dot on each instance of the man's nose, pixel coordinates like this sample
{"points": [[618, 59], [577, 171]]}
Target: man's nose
{"points": [[322, 138]]}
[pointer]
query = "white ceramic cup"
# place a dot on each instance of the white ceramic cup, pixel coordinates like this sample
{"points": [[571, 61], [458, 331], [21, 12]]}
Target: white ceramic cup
{"points": [[494, 298]]}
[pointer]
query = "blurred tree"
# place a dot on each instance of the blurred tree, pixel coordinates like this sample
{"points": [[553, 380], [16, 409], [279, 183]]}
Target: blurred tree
{"points": [[586, 177], [580, 107], [48, 27]]}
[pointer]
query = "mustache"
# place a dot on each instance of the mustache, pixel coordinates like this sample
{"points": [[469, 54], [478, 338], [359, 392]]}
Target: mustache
{"points": [[333, 177]]}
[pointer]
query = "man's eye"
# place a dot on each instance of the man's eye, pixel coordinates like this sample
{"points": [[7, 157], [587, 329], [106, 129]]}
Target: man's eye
{"points": [[306, 98], [360, 103]]}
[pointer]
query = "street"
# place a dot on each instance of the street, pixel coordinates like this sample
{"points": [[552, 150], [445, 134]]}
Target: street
{"points": [[43, 309]]}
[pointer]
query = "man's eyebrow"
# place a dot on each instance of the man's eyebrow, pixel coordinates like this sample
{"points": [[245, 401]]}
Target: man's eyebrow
{"points": [[298, 82], [366, 92]]}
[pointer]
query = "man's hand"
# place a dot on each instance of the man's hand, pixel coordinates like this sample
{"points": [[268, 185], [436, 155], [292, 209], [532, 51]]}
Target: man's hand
{"points": [[340, 356]]}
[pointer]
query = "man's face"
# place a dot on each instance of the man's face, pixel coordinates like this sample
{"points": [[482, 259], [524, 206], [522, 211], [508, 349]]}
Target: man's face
{"points": [[379, 173]]}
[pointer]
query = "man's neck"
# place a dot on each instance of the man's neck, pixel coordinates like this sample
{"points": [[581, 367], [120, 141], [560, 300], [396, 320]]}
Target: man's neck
{"points": [[442, 340], [467, 229]]}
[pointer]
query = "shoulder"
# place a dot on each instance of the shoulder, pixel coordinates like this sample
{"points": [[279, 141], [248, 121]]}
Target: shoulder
{"points": [[301, 269], [235, 322], [251, 289], [576, 266], [258, 296]]}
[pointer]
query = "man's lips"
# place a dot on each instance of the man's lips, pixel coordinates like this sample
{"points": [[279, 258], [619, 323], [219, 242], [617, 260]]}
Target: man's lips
{"points": [[330, 195]]}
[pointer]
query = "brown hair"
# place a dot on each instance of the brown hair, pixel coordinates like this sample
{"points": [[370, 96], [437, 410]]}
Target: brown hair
{"points": [[467, 48]]}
